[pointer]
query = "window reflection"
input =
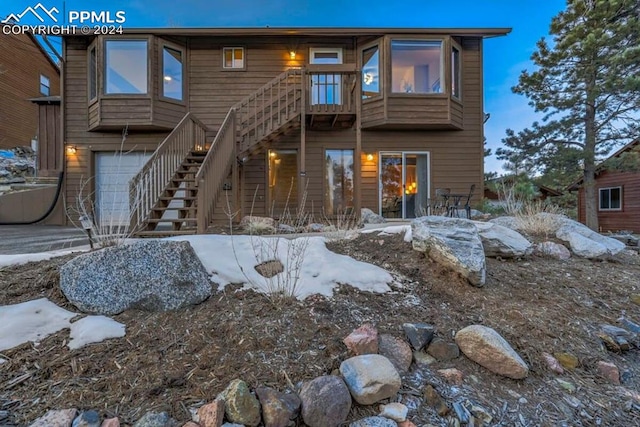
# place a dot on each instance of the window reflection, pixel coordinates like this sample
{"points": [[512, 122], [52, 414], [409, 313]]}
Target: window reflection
{"points": [[416, 66], [172, 73], [370, 72], [126, 66], [339, 181]]}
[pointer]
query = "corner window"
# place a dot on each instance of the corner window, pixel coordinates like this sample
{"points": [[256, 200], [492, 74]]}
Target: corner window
{"points": [[126, 65], [416, 66], [172, 73], [45, 88], [456, 79], [339, 181], [611, 199], [233, 58], [93, 73], [370, 72]]}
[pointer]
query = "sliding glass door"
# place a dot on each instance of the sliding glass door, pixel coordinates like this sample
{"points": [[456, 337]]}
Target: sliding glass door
{"points": [[404, 184]]}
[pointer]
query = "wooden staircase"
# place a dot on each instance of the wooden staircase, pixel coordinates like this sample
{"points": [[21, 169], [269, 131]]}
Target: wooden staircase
{"points": [[181, 183]]}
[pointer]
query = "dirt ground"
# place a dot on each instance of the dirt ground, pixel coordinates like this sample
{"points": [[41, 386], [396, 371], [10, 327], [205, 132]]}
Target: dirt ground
{"points": [[177, 360]]}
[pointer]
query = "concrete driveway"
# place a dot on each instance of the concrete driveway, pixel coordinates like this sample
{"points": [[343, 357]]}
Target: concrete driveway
{"points": [[26, 239]]}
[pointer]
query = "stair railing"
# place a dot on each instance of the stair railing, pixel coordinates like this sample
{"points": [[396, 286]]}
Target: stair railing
{"points": [[148, 185], [214, 170]]}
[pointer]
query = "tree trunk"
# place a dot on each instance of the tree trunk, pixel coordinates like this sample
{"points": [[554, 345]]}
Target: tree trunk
{"points": [[590, 199]]}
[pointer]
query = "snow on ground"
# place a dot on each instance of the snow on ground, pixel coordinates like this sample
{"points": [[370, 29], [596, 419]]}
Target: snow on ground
{"points": [[232, 259], [6, 260], [37, 319], [92, 329], [391, 229]]}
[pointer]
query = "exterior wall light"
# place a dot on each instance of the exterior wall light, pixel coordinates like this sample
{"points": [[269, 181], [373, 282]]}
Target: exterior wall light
{"points": [[292, 54], [72, 149], [370, 157]]}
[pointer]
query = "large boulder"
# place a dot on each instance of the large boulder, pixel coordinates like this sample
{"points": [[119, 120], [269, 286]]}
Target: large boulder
{"points": [[552, 250], [326, 402], [367, 216], [153, 275], [370, 378], [500, 241], [585, 242], [487, 348], [511, 222], [453, 243]]}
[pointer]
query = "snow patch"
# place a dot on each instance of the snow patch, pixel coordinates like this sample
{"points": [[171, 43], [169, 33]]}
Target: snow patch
{"points": [[93, 329], [390, 230], [18, 259], [232, 259], [35, 320]]}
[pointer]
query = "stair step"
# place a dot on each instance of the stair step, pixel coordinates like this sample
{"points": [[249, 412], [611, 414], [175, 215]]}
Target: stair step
{"points": [[183, 179], [194, 157], [172, 220], [178, 198], [175, 208]]}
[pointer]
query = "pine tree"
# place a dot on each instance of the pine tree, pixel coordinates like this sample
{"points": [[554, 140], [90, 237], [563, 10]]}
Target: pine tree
{"points": [[587, 84]]}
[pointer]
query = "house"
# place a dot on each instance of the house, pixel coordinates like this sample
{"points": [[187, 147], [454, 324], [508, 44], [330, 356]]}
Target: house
{"points": [[26, 72], [618, 193], [212, 122], [492, 186]]}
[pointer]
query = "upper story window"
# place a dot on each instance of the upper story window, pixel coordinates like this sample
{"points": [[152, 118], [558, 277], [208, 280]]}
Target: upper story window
{"points": [[172, 80], [45, 87], [233, 58], [416, 66], [456, 77], [93, 73], [611, 199], [126, 66], [371, 72]]}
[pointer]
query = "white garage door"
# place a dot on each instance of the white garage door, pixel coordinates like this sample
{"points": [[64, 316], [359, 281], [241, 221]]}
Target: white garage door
{"points": [[113, 172]]}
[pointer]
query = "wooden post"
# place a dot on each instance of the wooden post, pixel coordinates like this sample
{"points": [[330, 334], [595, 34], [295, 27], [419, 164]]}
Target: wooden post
{"points": [[303, 137], [357, 161], [235, 182]]}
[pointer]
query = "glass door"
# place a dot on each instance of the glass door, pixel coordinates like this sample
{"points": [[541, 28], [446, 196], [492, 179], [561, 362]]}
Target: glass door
{"points": [[326, 88], [283, 182], [404, 184]]}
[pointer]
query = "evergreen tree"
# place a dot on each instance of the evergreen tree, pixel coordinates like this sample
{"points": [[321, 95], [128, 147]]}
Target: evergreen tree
{"points": [[588, 86]]}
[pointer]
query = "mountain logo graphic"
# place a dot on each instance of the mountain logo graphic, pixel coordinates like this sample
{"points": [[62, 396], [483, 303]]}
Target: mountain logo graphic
{"points": [[38, 11]]}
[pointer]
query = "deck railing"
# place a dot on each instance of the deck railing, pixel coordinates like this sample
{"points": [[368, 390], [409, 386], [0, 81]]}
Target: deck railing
{"points": [[148, 185], [269, 108], [214, 170], [331, 89]]}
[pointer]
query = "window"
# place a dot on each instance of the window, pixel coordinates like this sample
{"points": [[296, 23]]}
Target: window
{"points": [[455, 72], [93, 74], [339, 181], [45, 88], [126, 66], [611, 199], [172, 73], [370, 72], [416, 66], [233, 58]]}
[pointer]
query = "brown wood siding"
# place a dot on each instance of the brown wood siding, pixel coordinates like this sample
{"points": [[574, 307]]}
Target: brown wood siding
{"points": [[49, 144], [626, 219], [80, 166], [457, 115], [125, 111], [213, 90], [372, 111], [418, 110], [21, 64]]}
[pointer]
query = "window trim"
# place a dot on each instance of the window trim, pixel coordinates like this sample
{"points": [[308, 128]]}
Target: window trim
{"points": [[379, 43], [244, 58], [103, 68], [600, 190], [161, 96], [455, 45], [444, 65], [93, 46], [41, 85]]}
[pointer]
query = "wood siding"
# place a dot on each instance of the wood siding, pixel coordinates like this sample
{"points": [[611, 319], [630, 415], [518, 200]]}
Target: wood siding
{"points": [[626, 219], [50, 150], [22, 63]]}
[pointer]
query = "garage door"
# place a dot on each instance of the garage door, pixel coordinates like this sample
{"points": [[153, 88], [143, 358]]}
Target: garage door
{"points": [[113, 172]]}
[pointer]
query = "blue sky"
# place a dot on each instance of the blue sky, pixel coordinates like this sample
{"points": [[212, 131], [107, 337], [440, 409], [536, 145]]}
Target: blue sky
{"points": [[504, 57]]}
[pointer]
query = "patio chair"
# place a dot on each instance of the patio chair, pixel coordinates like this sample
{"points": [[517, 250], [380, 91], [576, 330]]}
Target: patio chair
{"points": [[457, 204], [441, 204]]}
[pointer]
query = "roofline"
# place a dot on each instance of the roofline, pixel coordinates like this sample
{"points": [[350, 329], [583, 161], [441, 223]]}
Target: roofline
{"points": [[576, 185], [315, 31]]}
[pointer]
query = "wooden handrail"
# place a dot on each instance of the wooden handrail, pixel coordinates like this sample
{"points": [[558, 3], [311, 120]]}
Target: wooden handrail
{"points": [[147, 186], [215, 169]]}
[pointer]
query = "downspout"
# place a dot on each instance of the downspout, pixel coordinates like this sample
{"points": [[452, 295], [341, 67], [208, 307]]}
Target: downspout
{"points": [[51, 207]]}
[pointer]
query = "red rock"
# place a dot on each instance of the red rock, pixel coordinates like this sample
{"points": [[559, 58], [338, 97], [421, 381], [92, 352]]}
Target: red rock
{"points": [[363, 340], [113, 422], [191, 424], [396, 350], [406, 423], [553, 364], [212, 414], [451, 375], [609, 371]]}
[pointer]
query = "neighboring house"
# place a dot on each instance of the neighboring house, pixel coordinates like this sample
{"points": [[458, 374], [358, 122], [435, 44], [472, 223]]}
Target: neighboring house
{"points": [[26, 72], [268, 120], [492, 187], [618, 195]]}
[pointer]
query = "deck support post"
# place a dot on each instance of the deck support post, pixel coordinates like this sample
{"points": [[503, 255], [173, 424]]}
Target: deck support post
{"points": [[357, 161], [302, 188]]}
